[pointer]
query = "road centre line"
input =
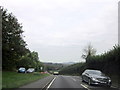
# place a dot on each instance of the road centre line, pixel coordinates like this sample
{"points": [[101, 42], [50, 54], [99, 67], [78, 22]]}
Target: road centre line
{"points": [[73, 79], [113, 87], [85, 87], [50, 83], [46, 85]]}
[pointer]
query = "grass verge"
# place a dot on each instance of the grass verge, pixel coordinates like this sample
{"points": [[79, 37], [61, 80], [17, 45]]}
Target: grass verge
{"points": [[115, 80], [15, 80]]}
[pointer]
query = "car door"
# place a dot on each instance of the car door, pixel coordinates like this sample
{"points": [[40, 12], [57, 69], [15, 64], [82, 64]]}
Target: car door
{"points": [[85, 75]]}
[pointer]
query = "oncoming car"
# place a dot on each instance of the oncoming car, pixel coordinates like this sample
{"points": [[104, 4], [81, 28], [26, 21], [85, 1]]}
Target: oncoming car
{"points": [[96, 77], [55, 73]]}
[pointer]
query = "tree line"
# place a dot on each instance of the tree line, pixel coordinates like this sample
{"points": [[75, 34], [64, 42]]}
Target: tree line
{"points": [[107, 62], [15, 54], [75, 69]]}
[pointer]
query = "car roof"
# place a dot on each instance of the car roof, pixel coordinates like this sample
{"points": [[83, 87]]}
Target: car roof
{"points": [[30, 68], [92, 70], [22, 67]]}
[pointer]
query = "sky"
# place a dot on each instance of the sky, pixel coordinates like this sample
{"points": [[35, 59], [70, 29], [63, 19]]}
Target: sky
{"points": [[59, 30]]}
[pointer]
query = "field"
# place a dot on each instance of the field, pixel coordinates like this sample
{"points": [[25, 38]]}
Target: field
{"points": [[15, 80]]}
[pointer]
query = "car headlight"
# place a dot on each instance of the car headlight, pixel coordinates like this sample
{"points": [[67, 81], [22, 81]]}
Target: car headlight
{"points": [[94, 79], [109, 80]]}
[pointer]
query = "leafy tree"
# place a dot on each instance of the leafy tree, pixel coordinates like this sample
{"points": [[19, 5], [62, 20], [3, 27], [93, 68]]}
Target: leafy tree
{"points": [[30, 60], [12, 40], [107, 62]]}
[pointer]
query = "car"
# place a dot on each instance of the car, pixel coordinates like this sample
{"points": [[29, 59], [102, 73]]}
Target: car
{"points": [[30, 70], [95, 77], [21, 70], [55, 73]]}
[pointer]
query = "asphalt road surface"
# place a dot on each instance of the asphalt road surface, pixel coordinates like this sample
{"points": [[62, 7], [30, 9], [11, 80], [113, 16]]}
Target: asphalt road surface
{"points": [[64, 82]]}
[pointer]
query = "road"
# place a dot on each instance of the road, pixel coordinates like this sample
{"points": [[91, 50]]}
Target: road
{"points": [[64, 82]]}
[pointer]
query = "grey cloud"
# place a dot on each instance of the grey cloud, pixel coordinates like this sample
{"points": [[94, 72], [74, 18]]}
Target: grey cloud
{"points": [[59, 29]]}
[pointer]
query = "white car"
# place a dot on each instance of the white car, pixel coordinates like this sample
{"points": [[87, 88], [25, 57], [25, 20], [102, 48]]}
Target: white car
{"points": [[30, 70]]}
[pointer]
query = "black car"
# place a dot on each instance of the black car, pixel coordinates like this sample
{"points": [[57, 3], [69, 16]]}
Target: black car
{"points": [[95, 77]]}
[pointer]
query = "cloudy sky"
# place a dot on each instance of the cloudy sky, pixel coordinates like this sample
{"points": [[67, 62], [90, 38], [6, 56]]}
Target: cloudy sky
{"points": [[59, 29]]}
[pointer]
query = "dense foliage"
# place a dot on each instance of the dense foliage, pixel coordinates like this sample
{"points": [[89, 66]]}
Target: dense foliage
{"points": [[50, 67], [108, 63], [14, 51], [75, 69]]}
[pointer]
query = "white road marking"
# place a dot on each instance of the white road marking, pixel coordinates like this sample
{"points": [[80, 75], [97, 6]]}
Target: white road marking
{"points": [[85, 87], [50, 83], [45, 85], [73, 79], [113, 87]]}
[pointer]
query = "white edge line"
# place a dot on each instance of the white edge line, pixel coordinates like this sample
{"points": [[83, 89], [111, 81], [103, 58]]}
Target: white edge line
{"points": [[51, 83], [85, 86], [113, 87]]}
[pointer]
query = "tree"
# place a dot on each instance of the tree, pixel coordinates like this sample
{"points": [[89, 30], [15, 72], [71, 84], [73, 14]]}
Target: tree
{"points": [[88, 51], [12, 40], [30, 60], [14, 51]]}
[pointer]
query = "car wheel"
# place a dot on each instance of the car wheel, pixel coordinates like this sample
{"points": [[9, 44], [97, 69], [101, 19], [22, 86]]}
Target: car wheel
{"points": [[82, 80], [89, 82], [108, 86]]}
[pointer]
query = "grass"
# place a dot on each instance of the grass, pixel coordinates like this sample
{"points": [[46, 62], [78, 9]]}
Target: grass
{"points": [[15, 80]]}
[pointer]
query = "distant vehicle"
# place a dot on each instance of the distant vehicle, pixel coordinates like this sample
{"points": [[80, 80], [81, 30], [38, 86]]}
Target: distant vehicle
{"points": [[55, 73], [44, 72], [30, 70], [96, 77], [22, 70]]}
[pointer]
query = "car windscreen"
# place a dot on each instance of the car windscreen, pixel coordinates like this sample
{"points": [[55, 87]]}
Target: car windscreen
{"points": [[22, 69], [30, 69], [95, 72]]}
